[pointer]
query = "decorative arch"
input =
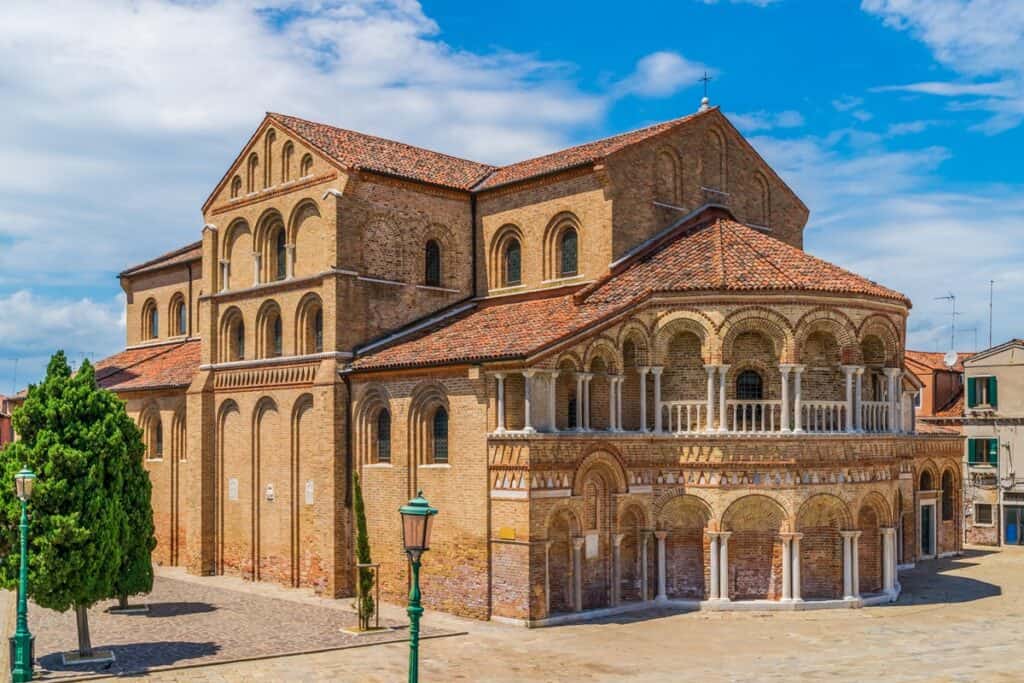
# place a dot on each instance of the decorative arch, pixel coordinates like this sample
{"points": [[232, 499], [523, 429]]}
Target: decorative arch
{"points": [[884, 329], [605, 460], [177, 315], [562, 525], [820, 519], [927, 477], [269, 330], [268, 155], [372, 401], [635, 331], [252, 169], [834, 322], [948, 487], [306, 165], [232, 335], [558, 262], [758, 319], [307, 208], [681, 322], [271, 242], [236, 187], [309, 324], [237, 249], [287, 154], [427, 399], [762, 200], [667, 176], [685, 520], [152, 431], [713, 160], [602, 348], [504, 239], [150, 320], [755, 546]]}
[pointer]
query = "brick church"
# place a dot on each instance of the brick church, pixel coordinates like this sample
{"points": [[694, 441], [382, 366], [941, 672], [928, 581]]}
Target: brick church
{"points": [[612, 368]]}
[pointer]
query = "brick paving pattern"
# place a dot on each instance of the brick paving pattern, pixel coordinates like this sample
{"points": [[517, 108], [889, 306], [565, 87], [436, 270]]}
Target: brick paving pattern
{"points": [[192, 622]]}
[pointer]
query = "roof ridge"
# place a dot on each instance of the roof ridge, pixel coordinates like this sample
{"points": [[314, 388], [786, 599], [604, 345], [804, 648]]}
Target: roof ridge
{"points": [[758, 252]]}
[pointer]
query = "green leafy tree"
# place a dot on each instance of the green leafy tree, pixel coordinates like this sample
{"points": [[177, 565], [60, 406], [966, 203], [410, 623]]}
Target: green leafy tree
{"points": [[366, 607], [85, 451]]}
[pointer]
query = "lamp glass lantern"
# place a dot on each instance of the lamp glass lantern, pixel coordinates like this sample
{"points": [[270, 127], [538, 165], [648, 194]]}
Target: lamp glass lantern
{"points": [[24, 482], [417, 519]]}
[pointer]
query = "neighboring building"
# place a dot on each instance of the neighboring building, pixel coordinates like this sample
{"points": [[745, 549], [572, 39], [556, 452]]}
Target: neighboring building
{"points": [[612, 368], [994, 426], [6, 428], [939, 405]]}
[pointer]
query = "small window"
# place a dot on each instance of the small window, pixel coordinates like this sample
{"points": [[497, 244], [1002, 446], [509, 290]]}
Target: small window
{"points": [[983, 513], [926, 481], [440, 434], [239, 341], [569, 248], [318, 331], [749, 386], [254, 165], [513, 263], [277, 336], [917, 400], [432, 275], [384, 436], [286, 161], [947, 496], [179, 313], [280, 255], [981, 391], [236, 187], [152, 321], [306, 167], [570, 421], [981, 452], [157, 447]]}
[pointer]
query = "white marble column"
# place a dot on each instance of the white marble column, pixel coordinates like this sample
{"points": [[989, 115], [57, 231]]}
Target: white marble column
{"points": [[723, 564], [615, 403], [848, 562], [890, 376], [528, 399], [858, 397], [580, 380], [547, 576], [617, 568], [798, 418], [784, 370], [656, 371], [723, 371], [848, 371], [888, 552], [642, 371], [715, 592], [290, 264], [644, 536], [710, 426], [796, 566], [787, 568], [553, 400], [257, 262], [500, 376], [577, 573], [855, 555], [660, 535], [587, 377]]}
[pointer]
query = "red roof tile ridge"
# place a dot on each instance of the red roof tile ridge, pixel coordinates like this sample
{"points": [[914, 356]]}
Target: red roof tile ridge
{"points": [[164, 349]]}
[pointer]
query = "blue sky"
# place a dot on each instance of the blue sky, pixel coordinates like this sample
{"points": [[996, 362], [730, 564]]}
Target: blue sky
{"points": [[899, 122]]}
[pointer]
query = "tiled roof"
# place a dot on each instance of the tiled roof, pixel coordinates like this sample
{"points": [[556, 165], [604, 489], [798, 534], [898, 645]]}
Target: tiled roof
{"points": [[954, 406], [935, 360], [929, 428], [728, 256], [576, 156], [707, 255], [189, 252], [367, 152], [150, 367]]}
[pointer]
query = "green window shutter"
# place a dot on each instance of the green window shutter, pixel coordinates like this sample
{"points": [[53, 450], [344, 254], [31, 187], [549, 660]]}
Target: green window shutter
{"points": [[972, 451], [972, 393], [992, 400], [993, 451]]}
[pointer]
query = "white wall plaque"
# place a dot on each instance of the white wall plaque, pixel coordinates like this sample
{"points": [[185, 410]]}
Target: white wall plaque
{"points": [[309, 492], [590, 545], [269, 492], [232, 489]]}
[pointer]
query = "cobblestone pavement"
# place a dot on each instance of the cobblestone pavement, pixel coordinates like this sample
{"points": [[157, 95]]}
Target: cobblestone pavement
{"points": [[194, 620], [964, 623]]}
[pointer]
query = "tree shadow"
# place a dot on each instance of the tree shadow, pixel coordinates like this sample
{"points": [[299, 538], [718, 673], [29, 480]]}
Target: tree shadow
{"points": [[177, 609], [134, 658]]}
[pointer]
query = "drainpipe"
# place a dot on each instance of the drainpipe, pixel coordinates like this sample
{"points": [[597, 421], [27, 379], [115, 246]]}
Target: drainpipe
{"points": [[348, 438]]}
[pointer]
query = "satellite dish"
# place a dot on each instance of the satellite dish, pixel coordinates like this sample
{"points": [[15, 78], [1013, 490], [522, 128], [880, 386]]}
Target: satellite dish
{"points": [[949, 359]]}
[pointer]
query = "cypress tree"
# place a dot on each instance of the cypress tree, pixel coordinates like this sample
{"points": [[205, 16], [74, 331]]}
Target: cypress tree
{"points": [[85, 451], [366, 606]]}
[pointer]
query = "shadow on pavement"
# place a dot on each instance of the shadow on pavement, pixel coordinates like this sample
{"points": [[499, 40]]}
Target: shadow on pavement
{"points": [[132, 658], [929, 583], [176, 609]]}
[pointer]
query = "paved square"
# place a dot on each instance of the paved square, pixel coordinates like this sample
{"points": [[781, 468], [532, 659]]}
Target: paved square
{"points": [[963, 623], [193, 620]]}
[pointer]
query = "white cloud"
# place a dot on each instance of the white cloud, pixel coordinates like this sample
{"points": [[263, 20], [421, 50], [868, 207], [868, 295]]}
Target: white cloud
{"points": [[762, 120], [979, 39], [861, 115], [661, 74], [847, 102]]}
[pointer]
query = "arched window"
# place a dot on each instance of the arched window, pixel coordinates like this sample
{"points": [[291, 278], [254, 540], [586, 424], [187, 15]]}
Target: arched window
{"points": [[276, 337], [150, 321], [568, 249], [254, 166], [440, 436], [749, 387], [432, 269], [236, 348], [268, 161], [947, 495], [287, 152], [926, 481], [179, 316], [280, 255], [158, 440], [306, 167], [513, 263], [318, 331], [384, 436], [236, 187]]}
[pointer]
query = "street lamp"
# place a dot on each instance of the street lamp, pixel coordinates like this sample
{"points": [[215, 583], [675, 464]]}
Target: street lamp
{"points": [[22, 640], [417, 518]]}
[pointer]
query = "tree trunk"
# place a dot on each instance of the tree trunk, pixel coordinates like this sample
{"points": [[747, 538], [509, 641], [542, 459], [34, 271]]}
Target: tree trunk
{"points": [[84, 642], [122, 601]]}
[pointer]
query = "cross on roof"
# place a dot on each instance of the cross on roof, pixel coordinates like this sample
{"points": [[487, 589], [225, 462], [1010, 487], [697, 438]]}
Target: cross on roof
{"points": [[706, 80]]}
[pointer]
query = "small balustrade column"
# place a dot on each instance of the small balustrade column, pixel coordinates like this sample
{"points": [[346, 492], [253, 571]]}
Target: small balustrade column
{"points": [[500, 376], [710, 426], [528, 399], [858, 396], [849, 371], [660, 535], [289, 261], [553, 400], [580, 381], [577, 573], [723, 564], [617, 568], [257, 264], [642, 371], [656, 371], [715, 591], [723, 371], [796, 566], [798, 418], [784, 370]]}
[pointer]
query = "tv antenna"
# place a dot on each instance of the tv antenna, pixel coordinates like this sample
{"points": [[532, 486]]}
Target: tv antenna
{"points": [[951, 297], [991, 283], [973, 330]]}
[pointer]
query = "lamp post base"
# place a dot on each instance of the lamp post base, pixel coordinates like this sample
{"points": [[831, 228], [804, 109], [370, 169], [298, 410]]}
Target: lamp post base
{"points": [[23, 651]]}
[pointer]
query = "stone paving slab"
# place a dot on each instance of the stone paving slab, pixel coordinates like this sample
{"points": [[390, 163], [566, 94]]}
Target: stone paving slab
{"points": [[192, 622]]}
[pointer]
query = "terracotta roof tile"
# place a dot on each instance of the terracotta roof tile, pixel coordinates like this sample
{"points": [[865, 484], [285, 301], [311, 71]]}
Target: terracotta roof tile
{"points": [[713, 255], [954, 406], [929, 428], [935, 360], [189, 252], [150, 367], [367, 152]]}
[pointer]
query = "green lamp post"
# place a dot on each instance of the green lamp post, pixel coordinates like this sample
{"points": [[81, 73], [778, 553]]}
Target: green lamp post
{"points": [[21, 641], [417, 517]]}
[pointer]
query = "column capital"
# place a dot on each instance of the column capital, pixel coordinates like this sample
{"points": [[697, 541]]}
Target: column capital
{"points": [[661, 534], [657, 369], [553, 374], [791, 536], [785, 368], [499, 375], [849, 369], [724, 535], [547, 544], [888, 530], [892, 372], [643, 369], [225, 261], [798, 367], [528, 373], [849, 533], [724, 367], [860, 369], [585, 376], [577, 542], [710, 368], [617, 539]]}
